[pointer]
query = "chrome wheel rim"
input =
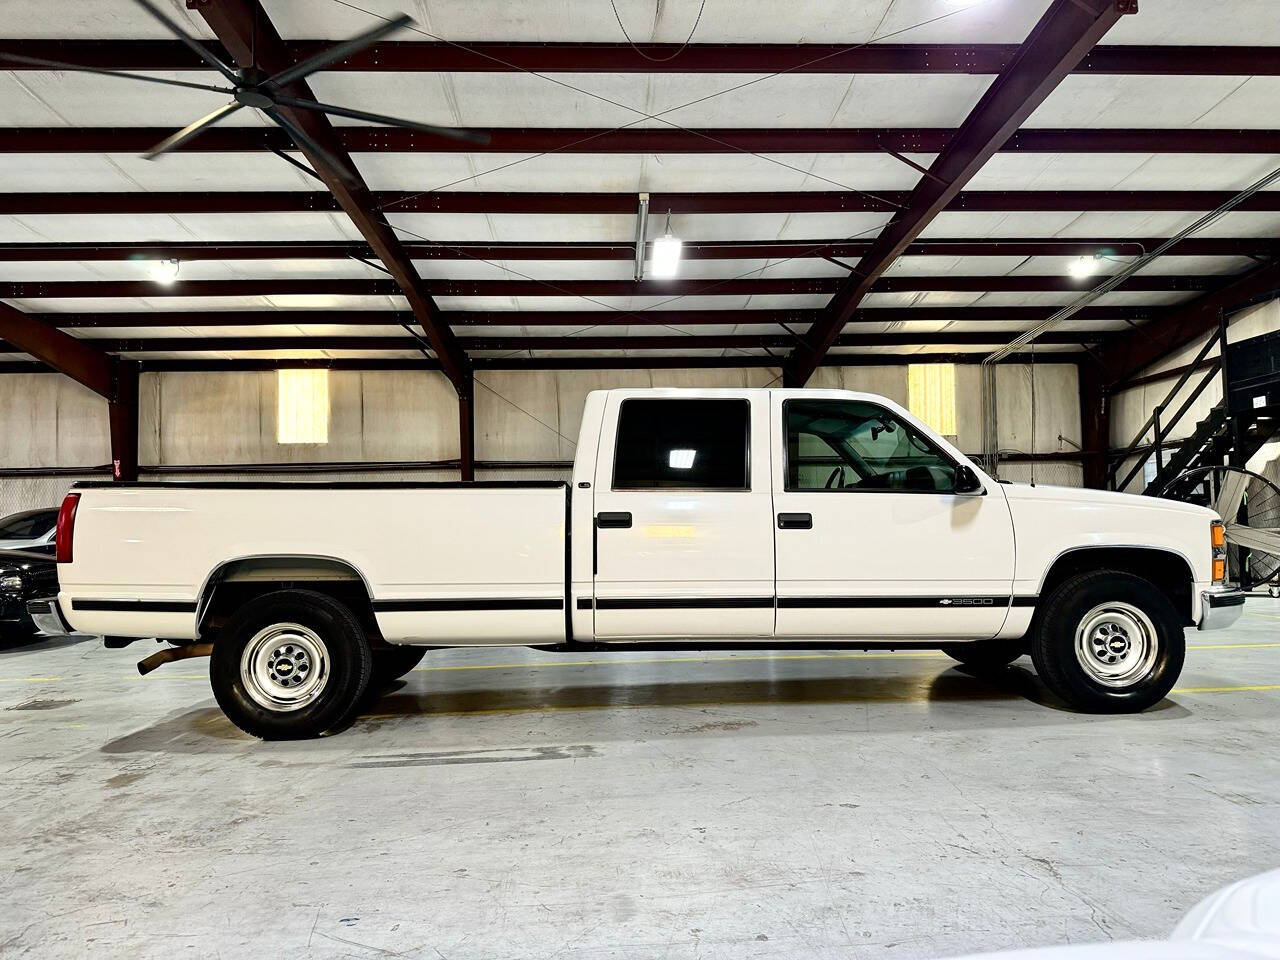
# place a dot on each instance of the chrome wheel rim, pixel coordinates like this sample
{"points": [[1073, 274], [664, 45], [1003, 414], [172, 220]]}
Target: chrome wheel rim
{"points": [[1116, 644], [284, 667]]}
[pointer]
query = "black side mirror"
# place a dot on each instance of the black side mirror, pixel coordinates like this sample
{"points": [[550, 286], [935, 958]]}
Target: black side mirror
{"points": [[967, 480]]}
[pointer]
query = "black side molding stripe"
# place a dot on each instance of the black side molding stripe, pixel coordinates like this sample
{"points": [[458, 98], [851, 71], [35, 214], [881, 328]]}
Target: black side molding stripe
{"points": [[710, 603], [681, 603], [136, 606], [469, 603], [897, 602]]}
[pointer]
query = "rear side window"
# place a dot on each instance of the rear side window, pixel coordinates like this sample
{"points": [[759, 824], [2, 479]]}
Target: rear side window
{"points": [[689, 444]]}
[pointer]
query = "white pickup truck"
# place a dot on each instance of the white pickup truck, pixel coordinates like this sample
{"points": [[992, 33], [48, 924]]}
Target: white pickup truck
{"points": [[694, 518]]}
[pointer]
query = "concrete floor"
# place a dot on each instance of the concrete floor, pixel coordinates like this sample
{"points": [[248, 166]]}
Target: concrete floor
{"points": [[506, 803]]}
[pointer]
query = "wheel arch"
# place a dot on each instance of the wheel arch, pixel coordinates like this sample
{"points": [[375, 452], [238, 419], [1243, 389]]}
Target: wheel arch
{"points": [[235, 582], [1169, 570]]}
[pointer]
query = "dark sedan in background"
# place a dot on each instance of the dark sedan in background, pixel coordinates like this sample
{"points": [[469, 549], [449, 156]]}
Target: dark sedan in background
{"points": [[24, 575]]}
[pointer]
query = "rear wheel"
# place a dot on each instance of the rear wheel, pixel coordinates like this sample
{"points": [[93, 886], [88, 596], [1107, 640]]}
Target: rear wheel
{"points": [[392, 663], [1109, 642], [986, 654], [290, 665]]}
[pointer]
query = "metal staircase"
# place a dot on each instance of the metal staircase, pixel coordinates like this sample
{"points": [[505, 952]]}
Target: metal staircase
{"points": [[1211, 444], [1233, 430]]}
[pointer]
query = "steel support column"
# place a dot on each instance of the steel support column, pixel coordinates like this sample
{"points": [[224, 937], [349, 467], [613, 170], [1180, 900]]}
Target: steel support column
{"points": [[467, 429], [1095, 425], [122, 413]]}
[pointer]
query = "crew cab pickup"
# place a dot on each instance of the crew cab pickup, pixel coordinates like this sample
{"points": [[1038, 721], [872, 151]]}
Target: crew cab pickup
{"points": [[694, 518]]}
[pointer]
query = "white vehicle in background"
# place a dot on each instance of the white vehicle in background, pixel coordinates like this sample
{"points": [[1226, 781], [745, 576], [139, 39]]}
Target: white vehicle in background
{"points": [[694, 518], [1239, 922]]}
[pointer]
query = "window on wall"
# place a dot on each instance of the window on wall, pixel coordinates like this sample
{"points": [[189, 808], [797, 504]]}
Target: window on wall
{"points": [[302, 406], [931, 395]]}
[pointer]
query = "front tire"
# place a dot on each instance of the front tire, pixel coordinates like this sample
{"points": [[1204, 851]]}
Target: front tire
{"points": [[1108, 642], [290, 665]]}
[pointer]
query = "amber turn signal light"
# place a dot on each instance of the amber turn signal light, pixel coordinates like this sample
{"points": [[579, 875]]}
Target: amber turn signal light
{"points": [[1217, 536], [1219, 569]]}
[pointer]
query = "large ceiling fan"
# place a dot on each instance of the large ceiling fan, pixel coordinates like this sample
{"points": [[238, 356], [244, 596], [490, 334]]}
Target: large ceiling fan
{"points": [[1249, 505], [251, 87]]}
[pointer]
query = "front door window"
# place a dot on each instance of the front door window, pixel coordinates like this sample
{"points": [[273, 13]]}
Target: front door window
{"points": [[854, 445]]}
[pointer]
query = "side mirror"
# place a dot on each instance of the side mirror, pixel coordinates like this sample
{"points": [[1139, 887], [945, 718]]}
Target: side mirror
{"points": [[967, 481]]}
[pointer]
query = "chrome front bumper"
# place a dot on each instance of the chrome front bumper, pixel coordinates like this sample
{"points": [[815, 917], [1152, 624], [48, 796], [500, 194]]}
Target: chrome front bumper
{"points": [[1220, 607], [47, 617]]}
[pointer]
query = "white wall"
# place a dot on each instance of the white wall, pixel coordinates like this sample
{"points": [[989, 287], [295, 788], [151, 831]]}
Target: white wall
{"points": [[47, 420], [1131, 408], [223, 418]]}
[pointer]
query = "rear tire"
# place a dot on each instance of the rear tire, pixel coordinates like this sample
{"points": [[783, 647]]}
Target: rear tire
{"points": [[1108, 642], [392, 663], [290, 665], [986, 654]]}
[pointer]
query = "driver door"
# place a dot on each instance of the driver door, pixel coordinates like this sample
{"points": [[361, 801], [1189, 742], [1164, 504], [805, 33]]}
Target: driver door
{"points": [[871, 539]]}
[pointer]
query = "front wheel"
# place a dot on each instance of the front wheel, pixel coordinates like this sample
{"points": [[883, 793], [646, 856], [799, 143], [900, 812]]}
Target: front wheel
{"points": [[290, 665], [1108, 642]]}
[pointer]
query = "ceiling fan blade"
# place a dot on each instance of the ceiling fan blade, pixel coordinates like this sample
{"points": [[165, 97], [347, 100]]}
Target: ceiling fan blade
{"points": [[468, 135], [59, 65], [191, 130], [305, 142], [189, 40], [1232, 492], [338, 51], [1262, 539]]}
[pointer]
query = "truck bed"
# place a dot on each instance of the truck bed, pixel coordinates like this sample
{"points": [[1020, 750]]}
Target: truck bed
{"points": [[442, 562]]}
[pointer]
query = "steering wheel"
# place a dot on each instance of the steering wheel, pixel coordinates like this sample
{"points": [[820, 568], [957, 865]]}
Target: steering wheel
{"points": [[836, 474]]}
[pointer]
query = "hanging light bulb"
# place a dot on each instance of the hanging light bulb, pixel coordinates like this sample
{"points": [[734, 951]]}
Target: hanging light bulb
{"points": [[1083, 267], [164, 272], [666, 254]]}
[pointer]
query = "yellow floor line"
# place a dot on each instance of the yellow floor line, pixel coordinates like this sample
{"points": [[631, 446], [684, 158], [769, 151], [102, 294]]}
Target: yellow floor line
{"points": [[30, 679], [852, 700], [552, 663], [1260, 686], [857, 655], [1230, 646]]}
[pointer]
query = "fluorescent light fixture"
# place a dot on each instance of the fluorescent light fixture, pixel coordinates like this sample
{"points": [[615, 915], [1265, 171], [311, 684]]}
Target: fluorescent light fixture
{"points": [[165, 271], [1083, 267], [681, 459], [666, 256]]}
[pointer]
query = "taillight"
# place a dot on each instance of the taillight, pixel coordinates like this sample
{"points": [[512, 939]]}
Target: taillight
{"points": [[66, 526]]}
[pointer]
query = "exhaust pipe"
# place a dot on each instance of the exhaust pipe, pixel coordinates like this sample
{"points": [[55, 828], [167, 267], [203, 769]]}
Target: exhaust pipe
{"points": [[174, 653]]}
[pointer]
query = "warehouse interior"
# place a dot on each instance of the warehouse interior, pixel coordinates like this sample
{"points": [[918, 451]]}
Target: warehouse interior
{"points": [[1048, 228]]}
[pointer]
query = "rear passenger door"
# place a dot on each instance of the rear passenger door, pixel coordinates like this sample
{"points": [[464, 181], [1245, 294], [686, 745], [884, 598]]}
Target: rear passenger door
{"points": [[683, 526]]}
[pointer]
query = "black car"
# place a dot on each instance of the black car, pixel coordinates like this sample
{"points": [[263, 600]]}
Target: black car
{"points": [[24, 575]]}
